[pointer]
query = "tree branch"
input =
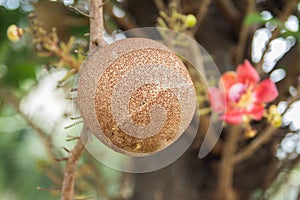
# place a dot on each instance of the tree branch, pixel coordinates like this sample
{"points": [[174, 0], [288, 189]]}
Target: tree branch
{"points": [[201, 14], [244, 32], [226, 170], [69, 174], [229, 11], [256, 144], [96, 24], [96, 39], [123, 22]]}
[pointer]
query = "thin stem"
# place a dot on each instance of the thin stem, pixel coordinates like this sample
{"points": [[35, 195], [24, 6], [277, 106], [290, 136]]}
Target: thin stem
{"points": [[226, 170], [230, 12], [201, 14], [96, 39], [123, 22], [79, 11], [256, 144], [69, 174], [244, 32]]}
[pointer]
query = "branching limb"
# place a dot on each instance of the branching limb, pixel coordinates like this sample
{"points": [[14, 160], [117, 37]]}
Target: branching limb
{"points": [[229, 10], [96, 24], [243, 35], [263, 138], [201, 14], [123, 22], [69, 174], [96, 39], [226, 170]]}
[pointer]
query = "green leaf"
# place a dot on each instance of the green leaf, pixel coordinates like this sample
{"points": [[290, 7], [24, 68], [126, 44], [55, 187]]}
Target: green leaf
{"points": [[253, 18]]}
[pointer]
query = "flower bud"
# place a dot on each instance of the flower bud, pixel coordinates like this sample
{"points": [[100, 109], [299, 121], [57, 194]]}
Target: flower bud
{"points": [[14, 33], [190, 20], [274, 116]]}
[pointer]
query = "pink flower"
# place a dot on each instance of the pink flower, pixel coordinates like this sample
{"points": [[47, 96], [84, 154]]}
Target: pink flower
{"points": [[240, 96]]}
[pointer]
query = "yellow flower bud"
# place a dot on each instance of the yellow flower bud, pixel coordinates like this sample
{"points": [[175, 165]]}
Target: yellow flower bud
{"points": [[190, 20], [14, 33], [273, 109], [276, 121], [250, 133], [274, 116]]}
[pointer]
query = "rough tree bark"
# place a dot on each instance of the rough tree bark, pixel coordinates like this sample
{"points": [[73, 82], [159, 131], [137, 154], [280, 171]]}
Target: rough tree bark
{"points": [[96, 39]]}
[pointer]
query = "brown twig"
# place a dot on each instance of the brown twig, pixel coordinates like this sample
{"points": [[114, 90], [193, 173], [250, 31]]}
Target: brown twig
{"points": [[255, 144], [288, 9], [79, 11], [160, 5], [230, 12], [67, 191], [96, 39], [226, 170], [201, 14], [57, 51], [86, 169], [96, 24], [47, 189], [123, 22], [244, 32]]}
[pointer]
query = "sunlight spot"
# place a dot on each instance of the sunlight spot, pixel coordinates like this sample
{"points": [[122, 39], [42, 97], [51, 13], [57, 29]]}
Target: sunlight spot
{"points": [[277, 75], [293, 91], [282, 105], [279, 47], [288, 144], [27, 7], [261, 36], [266, 15], [292, 116], [271, 26], [292, 23], [68, 2], [12, 4], [118, 12]]}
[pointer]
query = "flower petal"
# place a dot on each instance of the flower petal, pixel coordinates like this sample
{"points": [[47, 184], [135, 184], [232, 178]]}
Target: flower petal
{"points": [[266, 91], [233, 117], [246, 73], [227, 80], [257, 111], [217, 99]]}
